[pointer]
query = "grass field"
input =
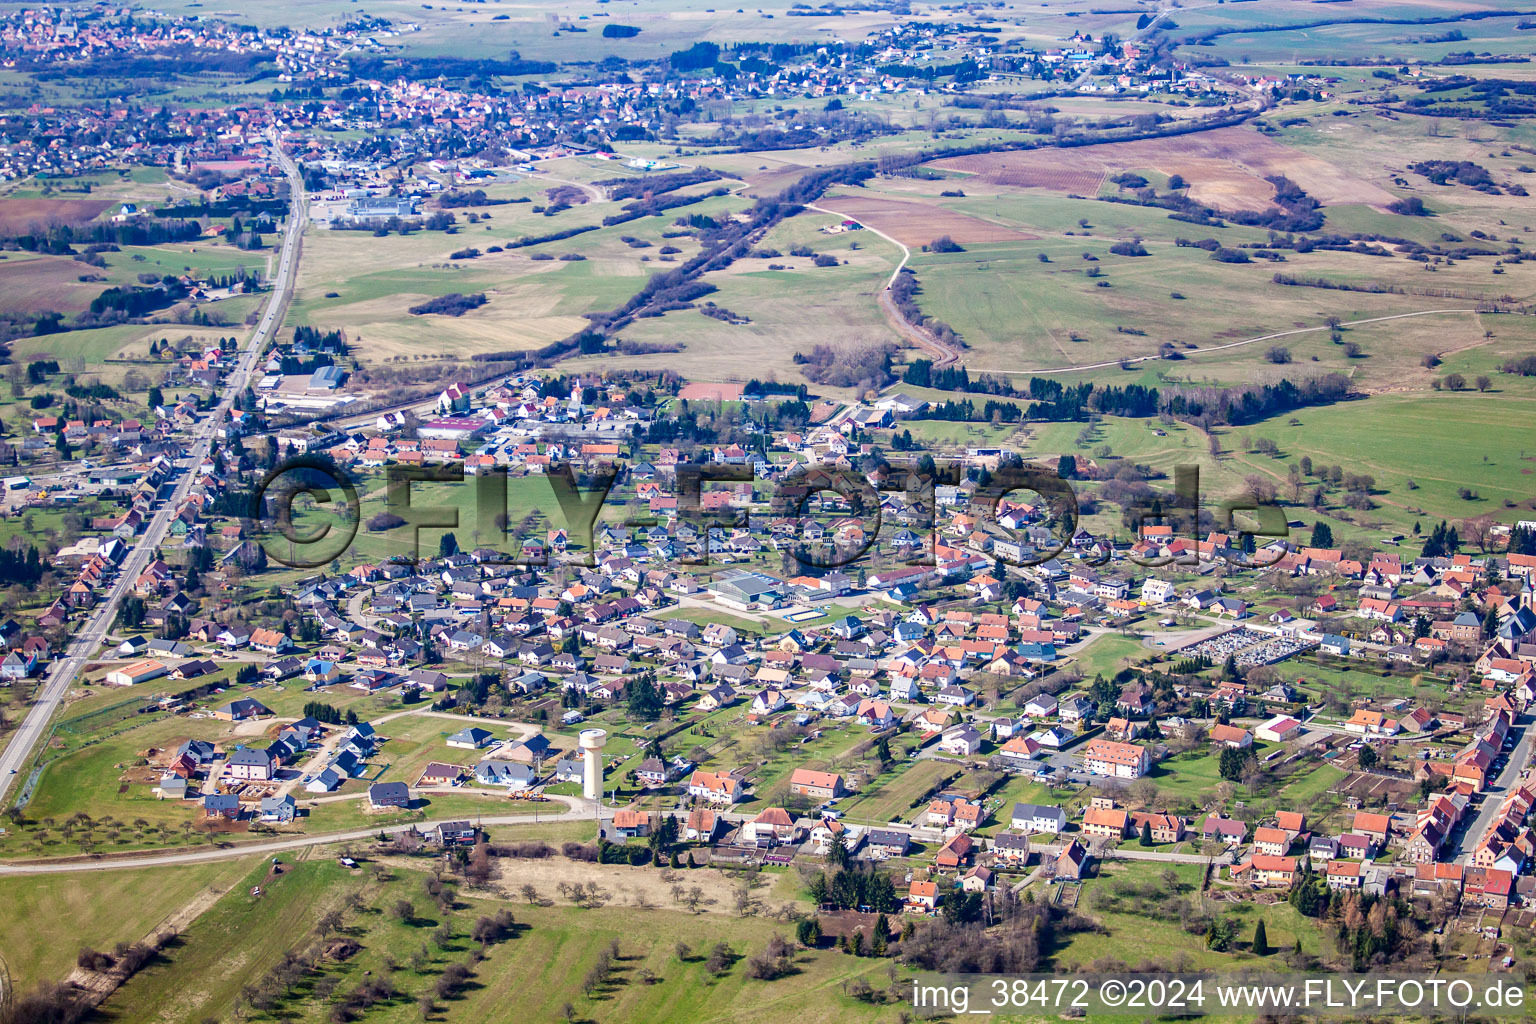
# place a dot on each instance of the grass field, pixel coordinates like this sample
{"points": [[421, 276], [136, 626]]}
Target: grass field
{"points": [[1106, 654], [413, 742], [1307, 788], [1421, 447], [99, 764], [102, 908], [779, 303], [530, 976], [890, 796], [1136, 938], [1194, 775], [364, 285], [530, 500]]}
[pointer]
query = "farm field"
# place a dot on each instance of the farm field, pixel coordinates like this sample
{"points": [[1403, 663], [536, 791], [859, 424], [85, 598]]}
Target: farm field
{"points": [[1396, 44], [916, 224], [778, 302], [1020, 315], [97, 347], [364, 285], [1226, 169], [36, 282], [1396, 438], [18, 215]]}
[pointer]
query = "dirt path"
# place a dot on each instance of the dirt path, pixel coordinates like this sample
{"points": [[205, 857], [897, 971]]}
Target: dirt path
{"points": [[95, 986], [596, 194], [943, 354]]}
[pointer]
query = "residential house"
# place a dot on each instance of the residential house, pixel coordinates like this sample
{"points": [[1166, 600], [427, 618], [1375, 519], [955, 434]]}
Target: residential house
{"points": [[1038, 818]]}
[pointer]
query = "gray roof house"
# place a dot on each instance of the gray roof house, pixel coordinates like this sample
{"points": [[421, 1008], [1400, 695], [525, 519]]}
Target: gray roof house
{"points": [[389, 794], [1039, 818], [280, 809], [471, 737], [494, 772]]}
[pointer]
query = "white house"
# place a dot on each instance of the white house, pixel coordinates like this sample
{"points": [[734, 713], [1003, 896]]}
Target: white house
{"points": [[1039, 818], [961, 741]]}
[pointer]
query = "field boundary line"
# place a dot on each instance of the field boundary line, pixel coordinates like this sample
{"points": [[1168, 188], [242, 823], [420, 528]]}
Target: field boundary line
{"points": [[1192, 353]]}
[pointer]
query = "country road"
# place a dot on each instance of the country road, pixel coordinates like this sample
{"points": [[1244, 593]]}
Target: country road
{"points": [[93, 631], [944, 355]]}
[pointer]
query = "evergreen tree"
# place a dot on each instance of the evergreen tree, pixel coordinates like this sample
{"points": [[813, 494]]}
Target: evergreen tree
{"points": [[644, 698], [1260, 939], [838, 855], [1233, 763], [808, 932], [1322, 535]]}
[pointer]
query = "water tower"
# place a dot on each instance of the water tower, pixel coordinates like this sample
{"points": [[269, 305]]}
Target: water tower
{"points": [[591, 742]]}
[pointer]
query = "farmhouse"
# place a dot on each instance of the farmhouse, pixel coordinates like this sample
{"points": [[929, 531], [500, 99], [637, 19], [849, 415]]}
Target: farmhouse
{"points": [[816, 784]]}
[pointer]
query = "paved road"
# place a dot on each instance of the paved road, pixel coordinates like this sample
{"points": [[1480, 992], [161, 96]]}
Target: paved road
{"points": [[1493, 796], [88, 638], [322, 756], [215, 853]]}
